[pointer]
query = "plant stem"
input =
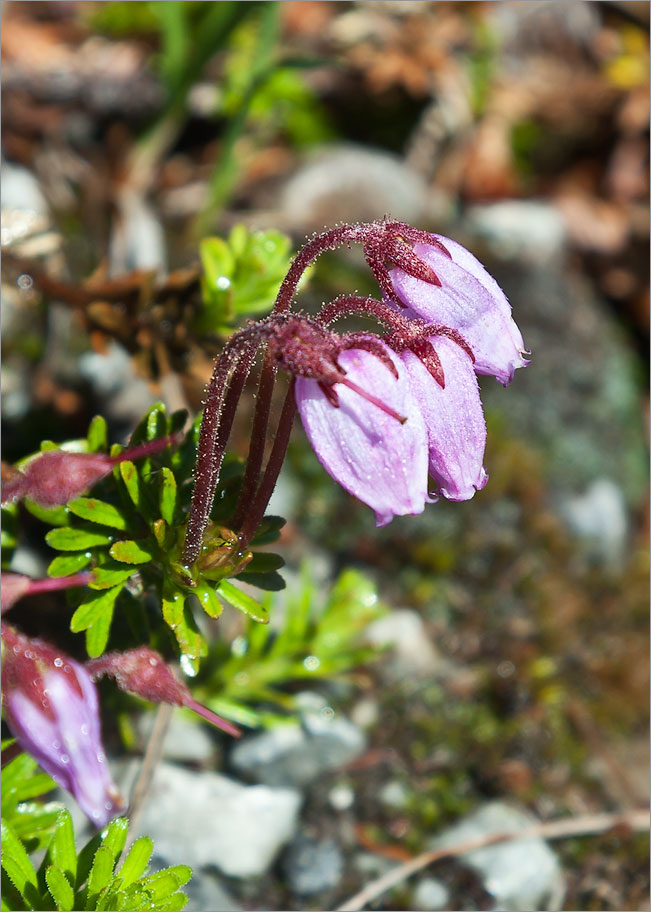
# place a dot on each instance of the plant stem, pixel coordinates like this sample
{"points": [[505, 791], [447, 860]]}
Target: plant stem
{"points": [[272, 469], [258, 437]]}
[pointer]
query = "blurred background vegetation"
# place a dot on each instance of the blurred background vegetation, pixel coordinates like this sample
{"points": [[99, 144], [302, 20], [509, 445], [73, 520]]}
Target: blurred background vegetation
{"points": [[161, 161]]}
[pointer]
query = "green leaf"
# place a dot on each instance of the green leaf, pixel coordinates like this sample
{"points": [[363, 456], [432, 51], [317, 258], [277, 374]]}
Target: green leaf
{"points": [[163, 883], [98, 633], [109, 575], [53, 516], [167, 497], [92, 608], [132, 552], [209, 601], [97, 437], [22, 779], [97, 511], [242, 601], [270, 582], [129, 475], [60, 889], [172, 603], [188, 636], [100, 875], [173, 903], [72, 539], [67, 564], [264, 562], [135, 864], [62, 847], [115, 836], [33, 823], [160, 528], [156, 422], [268, 530], [16, 863]]}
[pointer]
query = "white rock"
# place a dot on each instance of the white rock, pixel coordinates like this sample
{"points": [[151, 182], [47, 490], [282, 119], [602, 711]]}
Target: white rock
{"points": [[520, 875], [297, 755], [413, 653], [201, 818], [598, 517], [520, 229], [430, 894]]}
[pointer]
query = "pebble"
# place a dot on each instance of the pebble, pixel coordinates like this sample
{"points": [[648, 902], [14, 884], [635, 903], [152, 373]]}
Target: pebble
{"points": [[293, 755], [520, 875], [528, 230], [599, 519], [413, 653], [313, 865], [430, 895], [204, 818]]}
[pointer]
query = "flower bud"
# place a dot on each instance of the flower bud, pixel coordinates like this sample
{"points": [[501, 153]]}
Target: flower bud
{"points": [[53, 478], [50, 704], [143, 672]]}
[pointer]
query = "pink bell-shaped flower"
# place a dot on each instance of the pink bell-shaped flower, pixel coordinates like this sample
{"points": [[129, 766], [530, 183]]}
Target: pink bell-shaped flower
{"points": [[50, 704], [454, 418], [468, 300], [374, 454]]}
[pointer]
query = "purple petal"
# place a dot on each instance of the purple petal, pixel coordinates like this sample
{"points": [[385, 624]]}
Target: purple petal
{"points": [[454, 419], [63, 735], [470, 301], [372, 455]]}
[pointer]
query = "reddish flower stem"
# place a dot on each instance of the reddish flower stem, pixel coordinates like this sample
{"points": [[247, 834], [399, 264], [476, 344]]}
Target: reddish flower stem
{"points": [[212, 442], [258, 436], [272, 469]]}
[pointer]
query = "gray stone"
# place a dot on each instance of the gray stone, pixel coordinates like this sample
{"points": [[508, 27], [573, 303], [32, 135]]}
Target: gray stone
{"points": [[527, 230], [598, 517], [202, 818], [312, 865], [413, 653], [394, 795], [430, 895], [293, 755], [520, 875], [349, 183]]}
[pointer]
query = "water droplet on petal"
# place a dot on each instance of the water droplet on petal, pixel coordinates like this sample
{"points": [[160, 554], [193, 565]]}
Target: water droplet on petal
{"points": [[85, 729], [58, 662], [64, 758]]}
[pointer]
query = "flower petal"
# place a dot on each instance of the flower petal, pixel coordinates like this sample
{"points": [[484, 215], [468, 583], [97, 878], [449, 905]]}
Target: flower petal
{"points": [[372, 455], [454, 419], [470, 301]]}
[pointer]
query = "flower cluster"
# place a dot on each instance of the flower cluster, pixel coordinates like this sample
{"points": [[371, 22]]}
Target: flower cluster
{"points": [[382, 412]]}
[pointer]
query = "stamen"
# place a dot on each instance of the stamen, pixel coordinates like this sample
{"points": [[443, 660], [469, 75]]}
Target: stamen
{"points": [[372, 399]]}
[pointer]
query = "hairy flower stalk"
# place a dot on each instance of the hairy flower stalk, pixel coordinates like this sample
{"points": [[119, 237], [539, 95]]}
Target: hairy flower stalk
{"points": [[382, 413], [50, 704], [13, 586]]}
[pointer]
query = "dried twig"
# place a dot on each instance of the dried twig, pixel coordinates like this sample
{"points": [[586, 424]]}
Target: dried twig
{"points": [[150, 761], [584, 825]]}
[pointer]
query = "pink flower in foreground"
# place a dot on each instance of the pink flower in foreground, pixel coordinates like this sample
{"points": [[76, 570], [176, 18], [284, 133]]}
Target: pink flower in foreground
{"points": [[468, 300], [372, 453], [50, 704], [454, 419]]}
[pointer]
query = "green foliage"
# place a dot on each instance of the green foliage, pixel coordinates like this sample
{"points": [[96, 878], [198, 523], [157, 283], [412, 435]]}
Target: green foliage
{"points": [[314, 640], [67, 879], [131, 533], [241, 277], [23, 781]]}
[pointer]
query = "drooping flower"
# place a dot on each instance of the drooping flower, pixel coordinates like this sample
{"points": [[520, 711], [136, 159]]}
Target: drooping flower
{"points": [[468, 300], [454, 419], [50, 704], [53, 478], [373, 455], [143, 672]]}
